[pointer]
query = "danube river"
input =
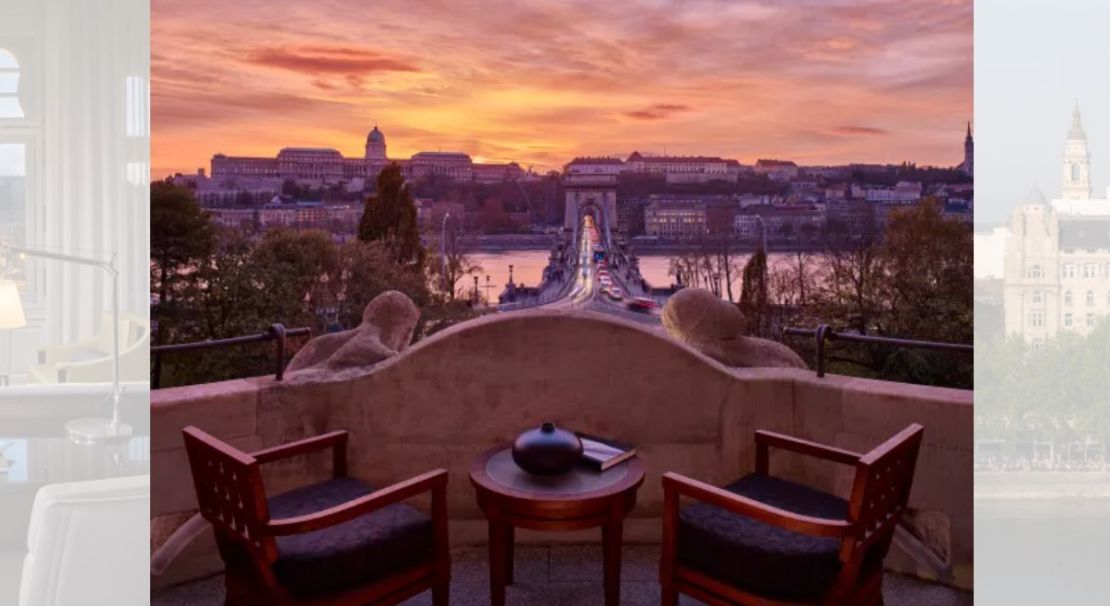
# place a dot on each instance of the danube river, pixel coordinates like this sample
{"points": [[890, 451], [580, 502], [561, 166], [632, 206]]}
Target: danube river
{"points": [[1041, 551], [528, 268]]}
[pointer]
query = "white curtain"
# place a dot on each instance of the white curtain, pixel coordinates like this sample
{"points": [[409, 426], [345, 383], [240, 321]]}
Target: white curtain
{"points": [[96, 148]]}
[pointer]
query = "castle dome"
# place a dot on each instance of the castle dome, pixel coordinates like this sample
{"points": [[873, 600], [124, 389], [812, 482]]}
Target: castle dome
{"points": [[375, 136]]}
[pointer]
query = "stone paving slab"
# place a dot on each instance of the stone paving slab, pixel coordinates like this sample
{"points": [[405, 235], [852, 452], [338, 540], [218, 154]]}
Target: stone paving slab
{"points": [[567, 575]]}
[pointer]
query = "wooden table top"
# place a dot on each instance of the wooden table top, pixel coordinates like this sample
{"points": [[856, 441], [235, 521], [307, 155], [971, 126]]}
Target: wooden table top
{"points": [[494, 472]]}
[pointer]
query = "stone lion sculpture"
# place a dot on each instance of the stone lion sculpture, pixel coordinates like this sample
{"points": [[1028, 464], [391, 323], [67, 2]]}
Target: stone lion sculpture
{"points": [[716, 328], [386, 330]]}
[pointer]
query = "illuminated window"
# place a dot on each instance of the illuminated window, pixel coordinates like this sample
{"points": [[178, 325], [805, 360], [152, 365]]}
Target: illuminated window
{"points": [[9, 86]]}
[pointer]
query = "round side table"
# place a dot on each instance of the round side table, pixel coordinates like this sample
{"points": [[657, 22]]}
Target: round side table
{"points": [[581, 498]]}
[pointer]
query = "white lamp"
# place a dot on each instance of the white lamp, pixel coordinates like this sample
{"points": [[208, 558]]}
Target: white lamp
{"points": [[11, 316], [92, 430]]}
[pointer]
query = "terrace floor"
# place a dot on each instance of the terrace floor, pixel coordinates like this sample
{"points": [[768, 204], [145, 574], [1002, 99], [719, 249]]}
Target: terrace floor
{"points": [[552, 575]]}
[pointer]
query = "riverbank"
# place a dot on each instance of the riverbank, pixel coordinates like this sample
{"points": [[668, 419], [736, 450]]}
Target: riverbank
{"points": [[1041, 485], [507, 242], [741, 247], [511, 242]]}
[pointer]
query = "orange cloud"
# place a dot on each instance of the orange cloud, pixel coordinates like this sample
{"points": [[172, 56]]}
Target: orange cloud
{"points": [[331, 60], [658, 111], [542, 82], [859, 130]]}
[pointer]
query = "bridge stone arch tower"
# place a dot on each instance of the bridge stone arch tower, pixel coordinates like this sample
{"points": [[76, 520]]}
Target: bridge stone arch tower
{"points": [[584, 191]]}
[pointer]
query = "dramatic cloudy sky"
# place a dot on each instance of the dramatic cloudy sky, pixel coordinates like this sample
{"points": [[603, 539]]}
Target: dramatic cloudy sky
{"points": [[1033, 61], [818, 81]]}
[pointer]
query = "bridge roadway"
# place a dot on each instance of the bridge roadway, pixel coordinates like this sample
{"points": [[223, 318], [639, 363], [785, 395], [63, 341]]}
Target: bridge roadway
{"points": [[585, 292]]}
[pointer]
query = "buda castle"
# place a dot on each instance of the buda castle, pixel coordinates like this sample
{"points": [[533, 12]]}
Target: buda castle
{"points": [[318, 166]]}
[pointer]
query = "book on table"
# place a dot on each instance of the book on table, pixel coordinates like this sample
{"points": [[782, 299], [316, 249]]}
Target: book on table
{"points": [[603, 453]]}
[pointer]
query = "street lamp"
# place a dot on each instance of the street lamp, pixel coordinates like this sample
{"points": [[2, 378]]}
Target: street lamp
{"points": [[510, 275], [443, 250], [762, 233], [475, 289]]}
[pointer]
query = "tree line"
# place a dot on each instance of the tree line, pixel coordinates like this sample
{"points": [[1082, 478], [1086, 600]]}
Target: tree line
{"points": [[210, 282], [911, 278]]}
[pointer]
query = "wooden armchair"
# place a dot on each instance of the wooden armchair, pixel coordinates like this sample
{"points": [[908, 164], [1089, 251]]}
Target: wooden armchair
{"points": [[767, 541], [338, 541]]}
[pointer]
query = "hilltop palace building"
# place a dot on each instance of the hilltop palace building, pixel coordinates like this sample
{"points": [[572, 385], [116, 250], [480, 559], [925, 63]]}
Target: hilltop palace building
{"points": [[1056, 262], [323, 166]]}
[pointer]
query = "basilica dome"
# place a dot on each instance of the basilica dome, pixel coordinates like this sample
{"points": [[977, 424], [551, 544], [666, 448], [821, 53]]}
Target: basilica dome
{"points": [[1035, 198]]}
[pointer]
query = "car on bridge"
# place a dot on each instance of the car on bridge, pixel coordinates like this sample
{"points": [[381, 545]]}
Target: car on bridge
{"points": [[642, 304]]}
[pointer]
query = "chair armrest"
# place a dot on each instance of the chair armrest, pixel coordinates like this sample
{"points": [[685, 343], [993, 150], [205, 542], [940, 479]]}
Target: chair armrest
{"points": [[336, 440], [712, 495], [765, 439], [436, 481]]}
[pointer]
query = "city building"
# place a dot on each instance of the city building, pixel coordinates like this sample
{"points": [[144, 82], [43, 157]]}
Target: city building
{"points": [[777, 170], [497, 173], [630, 215], [684, 169], [779, 221], [452, 165], [337, 218], [315, 167], [595, 166], [675, 219], [675, 169], [1056, 265], [904, 192]]}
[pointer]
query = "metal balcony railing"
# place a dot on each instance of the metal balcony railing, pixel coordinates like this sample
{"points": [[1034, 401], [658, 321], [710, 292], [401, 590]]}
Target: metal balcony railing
{"points": [[277, 333], [824, 333]]}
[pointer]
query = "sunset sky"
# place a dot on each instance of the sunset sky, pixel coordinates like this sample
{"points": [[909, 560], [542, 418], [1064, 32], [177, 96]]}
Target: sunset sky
{"points": [[816, 81]]}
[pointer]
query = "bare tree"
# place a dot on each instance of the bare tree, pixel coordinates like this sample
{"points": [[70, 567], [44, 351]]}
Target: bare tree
{"points": [[854, 271], [453, 264]]}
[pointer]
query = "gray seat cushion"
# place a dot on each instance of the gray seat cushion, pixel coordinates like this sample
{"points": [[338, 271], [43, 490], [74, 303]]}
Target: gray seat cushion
{"points": [[353, 553], [757, 557]]}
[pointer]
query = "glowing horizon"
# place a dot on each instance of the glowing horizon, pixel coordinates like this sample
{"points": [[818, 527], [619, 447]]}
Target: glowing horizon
{"points": [[813, 81]]}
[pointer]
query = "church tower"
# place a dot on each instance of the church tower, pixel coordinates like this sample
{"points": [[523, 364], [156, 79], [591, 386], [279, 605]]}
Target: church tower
{"points": [[969, 154], [1077, 161]]}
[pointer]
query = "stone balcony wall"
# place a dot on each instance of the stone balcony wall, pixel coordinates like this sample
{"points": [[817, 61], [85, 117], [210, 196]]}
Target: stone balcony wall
{"points": [[481, 383]]}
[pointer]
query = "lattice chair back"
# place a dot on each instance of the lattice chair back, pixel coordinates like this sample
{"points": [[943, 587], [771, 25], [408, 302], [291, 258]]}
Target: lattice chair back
{"points": [[881, 492], [231, 496]]}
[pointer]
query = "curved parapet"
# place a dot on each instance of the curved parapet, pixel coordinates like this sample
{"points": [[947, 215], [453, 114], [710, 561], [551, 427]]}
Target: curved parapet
{"points": [[480, 383]]}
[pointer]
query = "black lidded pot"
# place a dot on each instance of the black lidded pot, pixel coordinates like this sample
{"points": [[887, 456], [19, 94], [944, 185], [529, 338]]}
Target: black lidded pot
{"points": [[547, 450]]}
